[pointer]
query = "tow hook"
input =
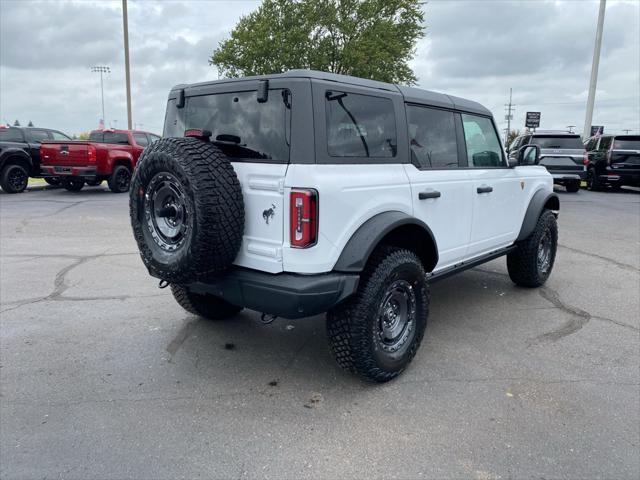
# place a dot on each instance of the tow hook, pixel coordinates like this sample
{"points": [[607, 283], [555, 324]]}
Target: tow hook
{"points": [[267, 318], [163, 284]]}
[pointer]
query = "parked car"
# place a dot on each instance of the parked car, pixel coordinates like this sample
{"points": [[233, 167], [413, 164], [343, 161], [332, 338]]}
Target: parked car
{"points": [[613, 160], [561, 153], [20, 155], [306, 192], [109, 155]]}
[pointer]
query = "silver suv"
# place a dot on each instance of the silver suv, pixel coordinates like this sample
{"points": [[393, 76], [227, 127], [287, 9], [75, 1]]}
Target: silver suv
{"points": [[562, 153]]}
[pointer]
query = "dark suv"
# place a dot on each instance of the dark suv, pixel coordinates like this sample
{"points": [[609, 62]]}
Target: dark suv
{"points": [[562, 153], [613, 160], [20, 155]]}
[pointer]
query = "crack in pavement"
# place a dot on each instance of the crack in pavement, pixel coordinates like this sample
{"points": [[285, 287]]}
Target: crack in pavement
{"points": [[579, 320], [622, 265], [60, 284], [582, 317]]}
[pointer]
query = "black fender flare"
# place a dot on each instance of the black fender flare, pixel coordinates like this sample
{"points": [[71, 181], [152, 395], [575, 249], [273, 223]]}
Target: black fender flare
{"points": [[358, 249], [541, 199], [15, 153]]}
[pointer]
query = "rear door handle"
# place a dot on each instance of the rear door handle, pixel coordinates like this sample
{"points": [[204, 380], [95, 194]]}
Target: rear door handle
{"points": [[484, 189], [429, 194]]}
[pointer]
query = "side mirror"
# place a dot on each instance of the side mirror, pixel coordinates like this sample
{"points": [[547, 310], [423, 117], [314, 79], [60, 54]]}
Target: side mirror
{"points": [[528, 155]]}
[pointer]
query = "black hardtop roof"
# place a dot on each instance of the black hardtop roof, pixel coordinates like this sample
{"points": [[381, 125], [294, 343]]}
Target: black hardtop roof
{"points": [[411, 94]]}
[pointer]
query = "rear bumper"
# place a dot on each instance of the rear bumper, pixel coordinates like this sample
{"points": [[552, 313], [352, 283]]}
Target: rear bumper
{"points": [[286, 295], [619, 176], [68, 171], [568, 176]]}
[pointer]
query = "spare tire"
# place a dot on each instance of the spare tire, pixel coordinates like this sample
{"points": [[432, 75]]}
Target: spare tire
{"points": [[186, 209]]}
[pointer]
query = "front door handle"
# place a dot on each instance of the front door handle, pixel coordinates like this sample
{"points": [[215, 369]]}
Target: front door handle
{"points": [[484, 189], [429, 194]]}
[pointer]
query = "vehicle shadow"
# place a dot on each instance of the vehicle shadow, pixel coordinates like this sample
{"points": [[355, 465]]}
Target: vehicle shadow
{"points": [[242, 353]]}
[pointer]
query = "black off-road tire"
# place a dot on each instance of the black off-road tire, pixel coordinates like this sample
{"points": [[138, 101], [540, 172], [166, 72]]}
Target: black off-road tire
{"points": [[211, 205], [354, 327], [53, 181], [207, 306], [14, 178], [573, 187], [120, 179], [524, 264], [593, 183], [72, 185]]}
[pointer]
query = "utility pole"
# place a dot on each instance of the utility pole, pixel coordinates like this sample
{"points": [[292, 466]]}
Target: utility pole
{"points": [[626, 131], [586, 133], [508, 116], [101, 69], [125, 24]]}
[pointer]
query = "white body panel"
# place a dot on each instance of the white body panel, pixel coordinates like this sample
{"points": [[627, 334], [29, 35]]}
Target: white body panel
{"points": [[262, 191], [348, 196], [498, 215], [464, 223], [450, 216]]}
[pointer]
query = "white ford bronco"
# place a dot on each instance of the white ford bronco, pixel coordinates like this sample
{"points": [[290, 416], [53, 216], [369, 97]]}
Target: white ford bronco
{"points": [[306, 192]]}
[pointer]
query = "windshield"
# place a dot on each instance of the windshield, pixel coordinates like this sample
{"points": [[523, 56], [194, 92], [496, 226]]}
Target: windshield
{"points": [[564, 141], [241, 126], [626, 143]]}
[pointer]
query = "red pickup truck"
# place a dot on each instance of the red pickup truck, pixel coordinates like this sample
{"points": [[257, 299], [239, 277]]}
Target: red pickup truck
{"points": [[109, 155]]}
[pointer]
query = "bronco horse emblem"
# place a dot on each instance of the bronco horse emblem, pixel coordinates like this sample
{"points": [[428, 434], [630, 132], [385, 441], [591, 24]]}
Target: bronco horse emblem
{"points": [[268, 214]]}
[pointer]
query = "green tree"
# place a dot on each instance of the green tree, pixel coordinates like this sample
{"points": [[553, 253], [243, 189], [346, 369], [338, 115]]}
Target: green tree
{"points": [[83, 136], [366, 38]]}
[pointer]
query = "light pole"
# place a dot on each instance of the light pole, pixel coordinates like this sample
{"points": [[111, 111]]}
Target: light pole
{"points": [[125, 27], [101, 69], [586, 133]]}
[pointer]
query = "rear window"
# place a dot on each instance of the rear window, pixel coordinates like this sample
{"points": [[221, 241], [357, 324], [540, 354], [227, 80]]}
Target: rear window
{"points": [[109, 137], [241, 126], [360, 126], [560, 142], [10, 135], [626, 143]]}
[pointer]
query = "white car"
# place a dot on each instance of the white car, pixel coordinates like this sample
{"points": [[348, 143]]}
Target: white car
{"points": [[306, 192]]}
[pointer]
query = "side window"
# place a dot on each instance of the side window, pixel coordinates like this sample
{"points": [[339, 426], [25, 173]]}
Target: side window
{"points": [[360, 126], [591, 144], [605, 144], [11, 135], [153, 138], [116, 138], [483, 146], [141, 139], [515, 144], [58, 135], [432, 137], [37, 136]]}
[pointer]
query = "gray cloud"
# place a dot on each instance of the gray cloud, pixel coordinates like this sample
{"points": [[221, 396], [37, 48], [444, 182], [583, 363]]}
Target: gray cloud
{"points": [[475, 49]]}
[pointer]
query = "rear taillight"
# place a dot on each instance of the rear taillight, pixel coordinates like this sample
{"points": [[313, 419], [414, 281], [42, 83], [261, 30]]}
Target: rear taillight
{"points": [[91, 153], [585, 159], [303, 218]]}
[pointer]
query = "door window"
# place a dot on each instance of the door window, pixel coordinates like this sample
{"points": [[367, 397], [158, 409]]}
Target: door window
{"points": [[483, 145], [141, 139], [58, 135], [10, 135], [38, 136], [360, 125], [605, 144], [432, 137]]}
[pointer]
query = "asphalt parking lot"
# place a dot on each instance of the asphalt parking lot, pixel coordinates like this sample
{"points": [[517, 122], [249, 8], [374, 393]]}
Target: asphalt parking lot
{"points": [[104, 376]]}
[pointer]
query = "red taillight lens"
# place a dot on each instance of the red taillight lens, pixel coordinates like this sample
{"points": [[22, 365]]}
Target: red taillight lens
{"points": [[303, 218], [91, 153], [585, 159]]}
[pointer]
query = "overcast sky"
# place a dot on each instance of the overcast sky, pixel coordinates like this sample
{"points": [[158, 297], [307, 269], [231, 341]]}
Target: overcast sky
{"points": [[473, 49]]}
